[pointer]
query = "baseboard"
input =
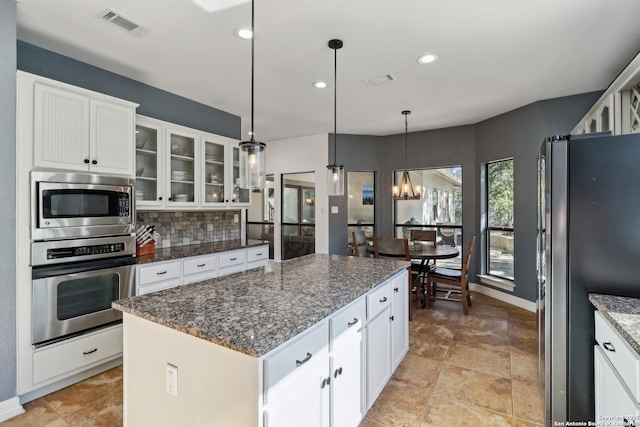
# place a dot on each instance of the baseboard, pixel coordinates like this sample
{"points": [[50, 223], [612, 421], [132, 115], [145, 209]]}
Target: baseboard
{"points": [[511, 299], [10, 408]]}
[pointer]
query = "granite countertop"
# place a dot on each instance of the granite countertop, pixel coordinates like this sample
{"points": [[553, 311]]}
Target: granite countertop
{"points": [[257, 310], [623, 313], [177, 252]]}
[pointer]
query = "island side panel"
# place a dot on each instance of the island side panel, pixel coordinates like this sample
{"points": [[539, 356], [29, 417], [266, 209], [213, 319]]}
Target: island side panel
{"points": [[216, 385]]}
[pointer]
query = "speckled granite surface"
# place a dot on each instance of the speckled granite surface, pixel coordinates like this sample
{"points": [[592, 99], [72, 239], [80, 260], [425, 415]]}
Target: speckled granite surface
{"points": [[257, 310], [623, 313], [176, 252]]}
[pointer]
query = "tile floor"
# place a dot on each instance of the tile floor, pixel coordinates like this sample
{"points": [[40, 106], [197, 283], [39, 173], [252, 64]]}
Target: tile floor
{"points": [[478, 370]]}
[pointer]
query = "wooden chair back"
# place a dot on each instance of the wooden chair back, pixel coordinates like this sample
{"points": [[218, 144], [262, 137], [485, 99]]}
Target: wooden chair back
{"points": [[424, 236], [391, 247], [359, 243], [467, 257]]}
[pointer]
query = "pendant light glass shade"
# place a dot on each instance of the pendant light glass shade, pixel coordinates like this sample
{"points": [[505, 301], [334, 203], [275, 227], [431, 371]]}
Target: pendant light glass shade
{"points": [[406, 190], [335, 172], [252, 163]]}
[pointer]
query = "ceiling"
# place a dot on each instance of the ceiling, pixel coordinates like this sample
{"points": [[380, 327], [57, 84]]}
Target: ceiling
{"points": [[494, 55]]}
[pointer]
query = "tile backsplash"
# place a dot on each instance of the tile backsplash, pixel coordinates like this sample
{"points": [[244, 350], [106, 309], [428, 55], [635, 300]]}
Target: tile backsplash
{"points": [[189, 228]]}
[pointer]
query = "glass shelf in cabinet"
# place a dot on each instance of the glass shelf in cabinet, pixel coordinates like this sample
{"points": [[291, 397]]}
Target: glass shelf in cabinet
{"points": [[182, 157], [145, 151]]}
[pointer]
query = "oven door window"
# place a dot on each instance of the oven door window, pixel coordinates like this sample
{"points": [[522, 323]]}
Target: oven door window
{"points": [[87, 295], [84, 203]]}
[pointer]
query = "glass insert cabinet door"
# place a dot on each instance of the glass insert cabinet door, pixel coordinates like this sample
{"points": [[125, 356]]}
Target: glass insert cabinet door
{"points": [[181, 168], [147, 166], [215, 182], [239, 196]]}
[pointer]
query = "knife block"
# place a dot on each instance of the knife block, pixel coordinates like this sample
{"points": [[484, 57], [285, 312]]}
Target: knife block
{"points": [[149, 248]]}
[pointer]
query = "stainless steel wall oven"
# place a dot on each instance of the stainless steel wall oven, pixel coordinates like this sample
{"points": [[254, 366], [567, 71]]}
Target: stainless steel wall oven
{"points": [[82, 252]]}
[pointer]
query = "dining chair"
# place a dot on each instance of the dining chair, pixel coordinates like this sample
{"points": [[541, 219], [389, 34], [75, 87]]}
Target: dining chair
{"points": [[395, 248], [420, 267], [359, 243], [451, 284]]}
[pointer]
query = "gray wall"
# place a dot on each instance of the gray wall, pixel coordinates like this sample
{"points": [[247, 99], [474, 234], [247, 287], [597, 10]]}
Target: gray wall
{"points": [[153, 102], [8, 199], [518, 134]]}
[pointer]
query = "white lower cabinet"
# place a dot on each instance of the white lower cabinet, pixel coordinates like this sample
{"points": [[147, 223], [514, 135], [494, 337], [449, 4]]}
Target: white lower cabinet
{"points": [[399, 319], [616, 377], [379, 341]]}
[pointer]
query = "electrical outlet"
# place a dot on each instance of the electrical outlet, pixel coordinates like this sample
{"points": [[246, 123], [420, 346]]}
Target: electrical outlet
{"points": [[172, 379], [235, 218], [334, 209]]}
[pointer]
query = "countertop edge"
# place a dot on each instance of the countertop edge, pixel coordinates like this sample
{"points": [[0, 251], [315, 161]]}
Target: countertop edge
{"points": [[606, 308]]}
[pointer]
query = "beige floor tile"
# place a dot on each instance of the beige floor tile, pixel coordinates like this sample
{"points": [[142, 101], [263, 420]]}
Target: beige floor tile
{"points": [[479, 359], [486, 338], [449, 412], [399, 405], [443, 331], [525, 340], [366, 422], [524, 366], [417, 371], [475, 388], [527, 402], [489, 310], [37, 414], [485, 323], [423, 344], [485, 299], [522, 423], [439, 313]]}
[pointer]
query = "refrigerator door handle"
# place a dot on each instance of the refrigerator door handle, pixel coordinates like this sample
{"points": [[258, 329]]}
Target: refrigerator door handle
{"points": [[608, 346]]}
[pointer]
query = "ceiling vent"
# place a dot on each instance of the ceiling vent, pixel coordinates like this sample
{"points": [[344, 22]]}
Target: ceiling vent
{"points": [[385, 78], [126, 24]]}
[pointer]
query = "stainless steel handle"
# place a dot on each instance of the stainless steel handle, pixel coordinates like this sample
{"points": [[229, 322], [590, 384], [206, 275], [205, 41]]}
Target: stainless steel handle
{"points": [[201, 265], [383, 299], [232, 259], [350, 324], [90, 351], [160, 273], [303, 361], [608, 346], [395, 289]]}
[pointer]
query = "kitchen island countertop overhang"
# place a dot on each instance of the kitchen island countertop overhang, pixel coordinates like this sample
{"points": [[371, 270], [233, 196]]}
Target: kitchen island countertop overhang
{"points": [[255, 311]]}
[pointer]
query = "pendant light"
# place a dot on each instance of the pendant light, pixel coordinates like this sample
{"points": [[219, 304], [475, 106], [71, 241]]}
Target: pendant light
{"points": [[252, 172], [335, 172], [406, 190]]}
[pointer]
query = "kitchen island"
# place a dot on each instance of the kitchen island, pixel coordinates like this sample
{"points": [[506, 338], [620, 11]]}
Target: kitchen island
{"points": [[272, 346]]}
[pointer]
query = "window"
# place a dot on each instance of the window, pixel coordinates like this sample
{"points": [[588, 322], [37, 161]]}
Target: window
{"points": [[499, 227], [360, 204], [260, 215], [298, 214], [439, 207]]}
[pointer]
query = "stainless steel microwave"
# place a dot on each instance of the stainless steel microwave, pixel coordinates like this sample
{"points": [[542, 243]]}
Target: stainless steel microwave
{"points": [[69, 205]]}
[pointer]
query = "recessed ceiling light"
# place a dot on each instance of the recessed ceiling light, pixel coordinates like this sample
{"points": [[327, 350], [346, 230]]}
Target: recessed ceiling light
{"points": [[244, 33], [427, 59], [319, 85]]}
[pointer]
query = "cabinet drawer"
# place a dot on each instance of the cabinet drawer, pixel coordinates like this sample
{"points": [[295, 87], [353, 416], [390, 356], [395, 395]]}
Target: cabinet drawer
{"points": [[157, 272], [623, 357], [257, 254], [378, 299], [310, 344], [200, 264], [352, 316], [155, 287], [76, 353], [227, 259]]}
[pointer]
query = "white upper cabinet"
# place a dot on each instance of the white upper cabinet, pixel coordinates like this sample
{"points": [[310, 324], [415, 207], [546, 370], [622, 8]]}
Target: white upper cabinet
{"points": [[183, 168], [77, 129]]}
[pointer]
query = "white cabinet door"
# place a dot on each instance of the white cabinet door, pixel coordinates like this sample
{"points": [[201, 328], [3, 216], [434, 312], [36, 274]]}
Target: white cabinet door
{"points": [[400, 318], [149, 164], [346, 377], [301, 398], [111, 142], [238, 197], [378, 354], [61, 128], [613, 400], [215, 163], [182, 169]]}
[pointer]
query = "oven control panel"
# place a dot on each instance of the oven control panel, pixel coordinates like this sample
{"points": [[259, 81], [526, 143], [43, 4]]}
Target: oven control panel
{"points": [[80, 251]]}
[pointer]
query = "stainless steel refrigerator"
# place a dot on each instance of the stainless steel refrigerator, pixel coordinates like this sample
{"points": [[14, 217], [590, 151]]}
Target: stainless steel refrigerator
{"points": [[588, 241]]}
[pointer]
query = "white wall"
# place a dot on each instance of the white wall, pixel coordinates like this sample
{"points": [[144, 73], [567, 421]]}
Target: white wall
{"points": [[306, 154]]}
